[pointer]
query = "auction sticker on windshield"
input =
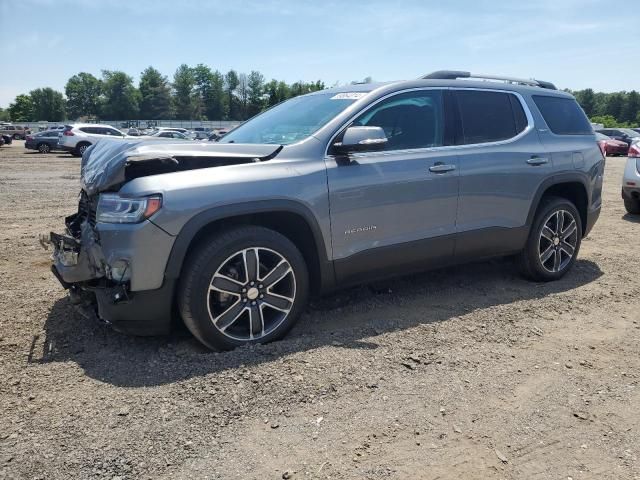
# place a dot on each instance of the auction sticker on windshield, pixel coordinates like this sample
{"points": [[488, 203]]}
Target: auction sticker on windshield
{"points": [[348, 95]]}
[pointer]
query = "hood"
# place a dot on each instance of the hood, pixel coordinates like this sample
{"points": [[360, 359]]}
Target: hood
{"points": [[110, 163]]}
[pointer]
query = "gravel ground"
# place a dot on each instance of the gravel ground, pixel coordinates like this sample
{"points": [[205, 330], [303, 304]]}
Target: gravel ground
{"points": [[469, 372]]}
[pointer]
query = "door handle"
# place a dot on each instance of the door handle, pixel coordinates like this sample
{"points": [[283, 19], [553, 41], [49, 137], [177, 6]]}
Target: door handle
{"points": [[441, 168], [537, 161]]}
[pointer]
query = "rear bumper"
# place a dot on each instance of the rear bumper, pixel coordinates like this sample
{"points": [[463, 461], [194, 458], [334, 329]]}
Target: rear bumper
{"points": [[631, 193]]}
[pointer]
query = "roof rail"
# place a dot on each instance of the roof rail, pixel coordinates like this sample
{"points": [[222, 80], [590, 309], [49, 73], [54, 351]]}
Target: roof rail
{"points": [[455, 74]]}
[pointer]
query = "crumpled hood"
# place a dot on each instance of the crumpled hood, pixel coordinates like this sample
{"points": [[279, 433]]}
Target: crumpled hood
{"points": [[108, 162]]}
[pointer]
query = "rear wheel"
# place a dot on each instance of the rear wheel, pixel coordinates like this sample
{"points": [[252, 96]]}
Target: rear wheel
{"points": [[632, 205], [44, 148], [246, 285], [81, 148], [554, 241]]}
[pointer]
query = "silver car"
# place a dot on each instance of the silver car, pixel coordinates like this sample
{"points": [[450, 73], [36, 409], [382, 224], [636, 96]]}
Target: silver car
{"points": [[333, 188], [631, 181]]}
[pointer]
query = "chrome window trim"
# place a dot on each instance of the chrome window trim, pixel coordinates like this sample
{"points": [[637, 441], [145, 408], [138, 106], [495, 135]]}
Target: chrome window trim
{"points": [[530, 124]]}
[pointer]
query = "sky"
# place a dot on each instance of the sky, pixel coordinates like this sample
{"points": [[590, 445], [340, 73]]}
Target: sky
{"points": [[568, 42]]}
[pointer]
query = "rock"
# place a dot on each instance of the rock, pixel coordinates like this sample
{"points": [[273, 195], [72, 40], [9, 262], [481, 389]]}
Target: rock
{"points": [[123, 412], [456, 429], [581, 415], [501, 456], [568, 365], [275, 425], [408, 365], [287, 475]]}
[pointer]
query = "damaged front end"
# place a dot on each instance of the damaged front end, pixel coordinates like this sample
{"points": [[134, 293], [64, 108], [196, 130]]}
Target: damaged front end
{"points": [[78, 261], [112, 256]]}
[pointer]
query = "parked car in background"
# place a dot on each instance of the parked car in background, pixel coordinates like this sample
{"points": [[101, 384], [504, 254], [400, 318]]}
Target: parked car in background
{"points": [[636, 130], [217, 135], [44, 142], [134, 132], [168, 134], [7, 139], [609, 146], [1, 141], [198, 135], [76, 138], [626, 135], [16, 131], [631, 181]]}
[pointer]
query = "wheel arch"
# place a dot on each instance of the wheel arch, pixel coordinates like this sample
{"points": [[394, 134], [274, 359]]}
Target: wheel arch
{"points": [[289, 218], [573, 187]]}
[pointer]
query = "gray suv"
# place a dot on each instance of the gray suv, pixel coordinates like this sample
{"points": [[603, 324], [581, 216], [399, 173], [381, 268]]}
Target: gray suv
{"points": [[334, 188]]}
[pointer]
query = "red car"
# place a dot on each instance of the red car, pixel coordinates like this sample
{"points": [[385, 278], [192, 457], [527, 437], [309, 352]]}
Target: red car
{"points": [[609, 146]]}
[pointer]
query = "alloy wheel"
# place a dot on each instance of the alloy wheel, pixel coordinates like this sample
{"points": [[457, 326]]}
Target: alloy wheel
{"points": [[44, 148], [558, 240], [251, 293]]}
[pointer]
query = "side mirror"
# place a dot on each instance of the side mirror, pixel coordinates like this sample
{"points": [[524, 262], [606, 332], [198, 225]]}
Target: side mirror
{"points": [[361, 139]]}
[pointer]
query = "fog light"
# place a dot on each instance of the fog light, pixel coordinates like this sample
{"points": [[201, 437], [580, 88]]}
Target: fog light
{"points": [[120, 271]]}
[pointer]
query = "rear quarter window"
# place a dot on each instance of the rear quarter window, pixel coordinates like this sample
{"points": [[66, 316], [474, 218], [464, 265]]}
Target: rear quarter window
{"points": [[563, 115]]}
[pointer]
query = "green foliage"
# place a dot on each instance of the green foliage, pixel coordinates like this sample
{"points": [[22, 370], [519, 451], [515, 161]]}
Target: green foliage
{"points": [[618, 109], [255, 94], [4, 115], [186, 103], [48, 105], [83, 95], [21, 110], [121, 98], [231, 82], [155, 95], [209, 90]]}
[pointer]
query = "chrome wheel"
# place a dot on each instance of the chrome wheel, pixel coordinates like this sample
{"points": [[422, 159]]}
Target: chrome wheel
{"points": [[44, 148], [82, 149], [558, 240], [251, 294]]}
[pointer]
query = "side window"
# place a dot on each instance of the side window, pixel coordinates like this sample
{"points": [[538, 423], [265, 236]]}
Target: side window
{"points": [[88, 130], [563, 115], [410, 120], [487, 116], [165, 135], [115, 133]]}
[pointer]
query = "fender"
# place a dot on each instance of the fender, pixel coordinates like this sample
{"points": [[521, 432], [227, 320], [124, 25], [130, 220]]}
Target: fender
{"points": [[195, 224], [568, 177]]}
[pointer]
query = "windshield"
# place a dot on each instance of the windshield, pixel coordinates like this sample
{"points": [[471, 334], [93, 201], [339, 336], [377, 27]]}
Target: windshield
{"points": [[293, 120], [630, 132]]}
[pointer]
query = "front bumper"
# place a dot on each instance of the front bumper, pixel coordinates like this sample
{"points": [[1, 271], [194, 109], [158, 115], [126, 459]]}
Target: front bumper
{"points": [[84, 260], [592, 218]]}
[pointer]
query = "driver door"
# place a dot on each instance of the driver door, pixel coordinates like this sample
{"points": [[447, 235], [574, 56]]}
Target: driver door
{"points": [[394, 211]]}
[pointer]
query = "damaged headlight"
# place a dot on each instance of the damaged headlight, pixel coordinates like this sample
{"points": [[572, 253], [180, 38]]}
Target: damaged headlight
{"points": [[112, 208]]}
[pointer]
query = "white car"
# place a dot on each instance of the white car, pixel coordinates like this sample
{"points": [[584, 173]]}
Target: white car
{"points": [[168, 134], [631, 180], [78, 137]]}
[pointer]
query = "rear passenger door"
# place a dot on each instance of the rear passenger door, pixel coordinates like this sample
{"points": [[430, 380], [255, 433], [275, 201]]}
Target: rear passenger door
{"points": [[502, 163]]}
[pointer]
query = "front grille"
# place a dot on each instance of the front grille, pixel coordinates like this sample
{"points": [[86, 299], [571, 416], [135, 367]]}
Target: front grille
{"points": [[87, 208]]}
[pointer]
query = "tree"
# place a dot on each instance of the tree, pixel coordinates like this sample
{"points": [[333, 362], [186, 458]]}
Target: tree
{"points": [[21, 110], [121, 98], [631, 108], [587, 100], [209, 87], [4, 115], [83, 95], [256, 93], [276, 92], [614, 104], [231, 82], [48, 104], [243, 95], [186, 104], [155, 95]]}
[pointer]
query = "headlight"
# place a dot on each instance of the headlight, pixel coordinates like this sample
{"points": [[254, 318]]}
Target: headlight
{"points": [[113, 208]]}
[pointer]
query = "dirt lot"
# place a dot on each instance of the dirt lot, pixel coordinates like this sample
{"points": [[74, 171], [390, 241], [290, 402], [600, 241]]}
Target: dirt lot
{"points": [[467, 373]]}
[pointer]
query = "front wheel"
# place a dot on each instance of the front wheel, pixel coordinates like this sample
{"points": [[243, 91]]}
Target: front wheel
{"points": [[44, 148], [554, 241], [246, 285]]}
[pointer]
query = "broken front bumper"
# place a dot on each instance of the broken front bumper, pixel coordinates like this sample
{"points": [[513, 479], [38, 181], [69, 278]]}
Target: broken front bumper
{"points": [[116, 272]]}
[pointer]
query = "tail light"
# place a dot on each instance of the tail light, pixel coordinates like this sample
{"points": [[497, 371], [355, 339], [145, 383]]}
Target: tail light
{"points": [[634, 150], [67, 133]]}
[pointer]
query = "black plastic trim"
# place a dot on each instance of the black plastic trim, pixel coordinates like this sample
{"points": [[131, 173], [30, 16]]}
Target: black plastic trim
{"points": [[201, 220]]}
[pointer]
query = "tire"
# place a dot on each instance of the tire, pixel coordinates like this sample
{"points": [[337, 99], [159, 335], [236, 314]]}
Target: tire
{"points": [[80, 148], [632, 206], [221, 306], [547, 255], [16, 136], [44, 148]]}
